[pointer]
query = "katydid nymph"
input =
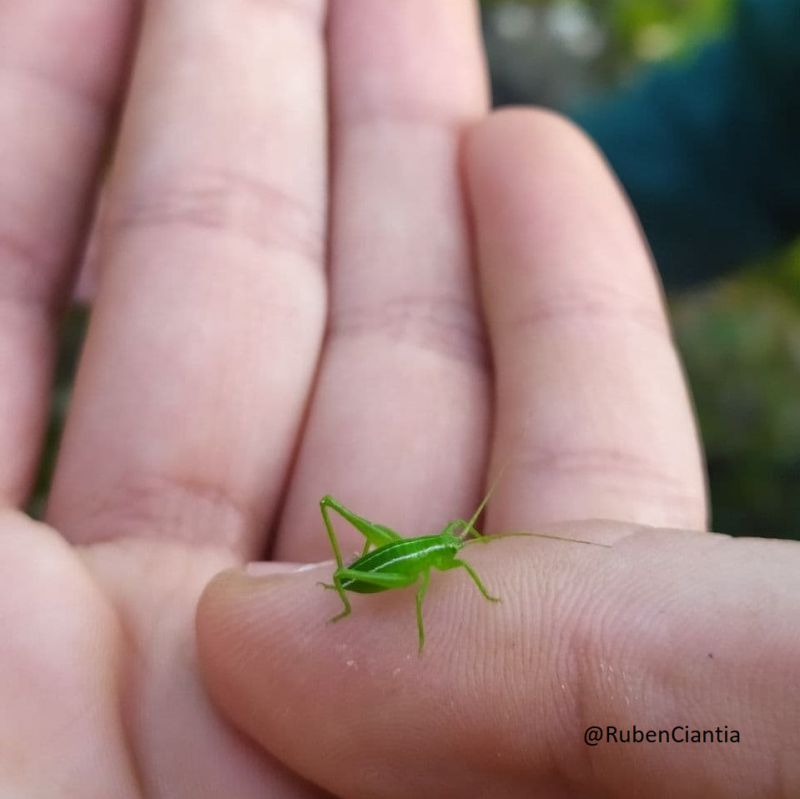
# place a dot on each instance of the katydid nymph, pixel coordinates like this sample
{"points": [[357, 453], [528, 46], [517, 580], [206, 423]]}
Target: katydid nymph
{"points": [[397, 562]]}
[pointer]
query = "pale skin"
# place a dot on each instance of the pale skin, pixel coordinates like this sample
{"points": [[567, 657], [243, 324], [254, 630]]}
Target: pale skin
{"points": [[208, 398]]}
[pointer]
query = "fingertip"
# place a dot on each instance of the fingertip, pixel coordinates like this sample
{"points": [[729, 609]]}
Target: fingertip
{"points": [[542, 193], [247, 611], [278, 669], [529, 136]]}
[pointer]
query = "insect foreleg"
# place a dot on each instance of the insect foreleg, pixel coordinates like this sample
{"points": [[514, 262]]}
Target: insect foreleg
{"points": [[462, 564]]}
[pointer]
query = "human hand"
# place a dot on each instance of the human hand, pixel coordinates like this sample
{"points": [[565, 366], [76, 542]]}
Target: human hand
{"points": [[204, 340], [206, 335], [671, 629], [668, 629]]}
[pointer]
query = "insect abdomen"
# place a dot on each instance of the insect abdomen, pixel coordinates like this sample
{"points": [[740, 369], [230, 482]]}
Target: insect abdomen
{"points": [[409, 557], [360, 587]]}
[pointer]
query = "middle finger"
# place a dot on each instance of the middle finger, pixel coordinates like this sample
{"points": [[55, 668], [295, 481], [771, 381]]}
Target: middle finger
{"points": [[398, 426]]}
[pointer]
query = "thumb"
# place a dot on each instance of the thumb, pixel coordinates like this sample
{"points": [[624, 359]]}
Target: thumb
{"points": [[665, 629]]}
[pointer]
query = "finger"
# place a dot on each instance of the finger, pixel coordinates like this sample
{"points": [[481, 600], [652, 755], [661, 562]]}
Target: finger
{"points": [[502, 694], [210, 306], [60, 655], [404, 380], [182, 747], [57, 99], [591, 402]]}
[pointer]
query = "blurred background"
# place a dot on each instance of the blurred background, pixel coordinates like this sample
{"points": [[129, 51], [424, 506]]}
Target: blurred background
{"points": [[693, 102]]}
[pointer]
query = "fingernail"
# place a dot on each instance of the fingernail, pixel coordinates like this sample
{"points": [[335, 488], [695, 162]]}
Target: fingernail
{"points": [[269, 568]]}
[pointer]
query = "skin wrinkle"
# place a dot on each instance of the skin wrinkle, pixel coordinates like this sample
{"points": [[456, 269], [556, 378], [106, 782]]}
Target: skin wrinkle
{"points": [[599, 462], [614, 472], [449, 126], [442, 324], [595, 308], [229, 201], [157, 509]]}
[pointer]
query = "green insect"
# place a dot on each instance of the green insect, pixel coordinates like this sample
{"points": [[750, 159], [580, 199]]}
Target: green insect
{"points": [[397, 562]]}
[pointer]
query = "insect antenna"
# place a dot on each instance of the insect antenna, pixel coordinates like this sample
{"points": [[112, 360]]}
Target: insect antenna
{"points": [[485, 539], [481, 538], [470, 526]]}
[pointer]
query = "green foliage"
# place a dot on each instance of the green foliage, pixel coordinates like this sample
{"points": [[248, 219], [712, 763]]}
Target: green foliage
{"points": [[740, 341], [653, 29], [643, 31], [739, 338]]}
